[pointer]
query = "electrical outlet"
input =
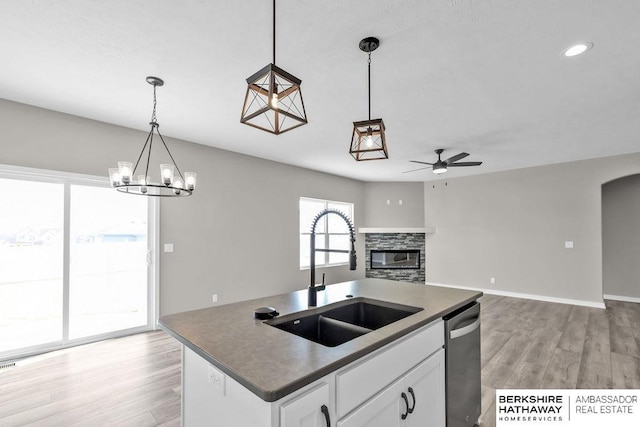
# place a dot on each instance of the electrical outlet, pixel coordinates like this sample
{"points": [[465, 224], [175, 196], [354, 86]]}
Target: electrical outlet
{"points": [[217, 380], [214, 298], [493, 280]]}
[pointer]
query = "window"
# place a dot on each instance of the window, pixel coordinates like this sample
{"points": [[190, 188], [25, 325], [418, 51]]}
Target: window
{"points": [[331, 232], [75, 261]]}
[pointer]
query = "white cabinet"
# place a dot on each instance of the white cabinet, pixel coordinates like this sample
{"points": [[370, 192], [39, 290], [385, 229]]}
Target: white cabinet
{"points": [[311, 409], [374, 391], [426, 394], [416, 399]]}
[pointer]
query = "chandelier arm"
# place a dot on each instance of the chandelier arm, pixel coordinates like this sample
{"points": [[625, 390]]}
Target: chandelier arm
{"points": [[146, 170], [149, 137], [169, 152]]}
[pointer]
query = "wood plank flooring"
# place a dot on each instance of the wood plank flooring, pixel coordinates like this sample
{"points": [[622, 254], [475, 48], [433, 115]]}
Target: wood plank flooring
{"points": [[535, 344], [135, 380], [129, 381]]}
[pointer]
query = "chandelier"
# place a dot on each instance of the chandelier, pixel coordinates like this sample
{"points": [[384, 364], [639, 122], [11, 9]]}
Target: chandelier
{"points": [[130, 179], [273, 101], [368, 141]]}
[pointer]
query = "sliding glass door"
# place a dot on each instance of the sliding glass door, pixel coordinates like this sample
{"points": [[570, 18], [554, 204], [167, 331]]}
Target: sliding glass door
{"points": [[75, 262], [31, 263], [108, 261]]}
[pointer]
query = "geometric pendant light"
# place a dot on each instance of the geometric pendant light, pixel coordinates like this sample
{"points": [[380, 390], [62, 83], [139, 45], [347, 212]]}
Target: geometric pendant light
{"points": [[130, 179], [273, 101], [368, 141]]}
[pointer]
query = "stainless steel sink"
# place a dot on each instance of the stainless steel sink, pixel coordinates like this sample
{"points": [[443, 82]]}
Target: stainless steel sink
{"points": [[343, 321]]}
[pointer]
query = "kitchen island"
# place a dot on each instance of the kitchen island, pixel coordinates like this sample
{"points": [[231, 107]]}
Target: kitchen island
{"points": [[237, 369]]}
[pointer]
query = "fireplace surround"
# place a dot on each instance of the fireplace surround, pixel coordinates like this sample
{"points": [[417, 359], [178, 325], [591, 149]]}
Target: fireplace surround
{"points": [[395, 243]]}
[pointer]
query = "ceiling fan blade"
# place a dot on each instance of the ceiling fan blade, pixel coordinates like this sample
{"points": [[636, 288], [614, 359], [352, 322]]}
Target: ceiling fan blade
{"points": [[415, 170], [465, 164], [456, 158], [422, 163]]}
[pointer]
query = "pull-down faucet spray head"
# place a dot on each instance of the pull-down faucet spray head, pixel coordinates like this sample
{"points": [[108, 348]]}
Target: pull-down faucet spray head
{"points": [[313, 291]]}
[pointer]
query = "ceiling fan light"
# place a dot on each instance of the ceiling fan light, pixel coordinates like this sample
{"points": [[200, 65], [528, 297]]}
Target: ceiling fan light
{"points": [[438, 169]]}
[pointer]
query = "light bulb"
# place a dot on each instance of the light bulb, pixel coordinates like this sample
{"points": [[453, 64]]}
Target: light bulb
{"points": [[177, 186], [114, 176], [190, 178], [166, 171], [125, 169], [142, 182], [368, 141], [274, 100]]}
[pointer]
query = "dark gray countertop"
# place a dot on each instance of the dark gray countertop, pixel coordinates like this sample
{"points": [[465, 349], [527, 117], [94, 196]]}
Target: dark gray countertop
{"points": [[273, 363]]}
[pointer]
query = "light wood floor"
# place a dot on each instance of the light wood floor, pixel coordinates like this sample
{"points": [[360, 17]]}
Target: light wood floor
{"points": [[534, 344], [135, 381], [130, 381]]}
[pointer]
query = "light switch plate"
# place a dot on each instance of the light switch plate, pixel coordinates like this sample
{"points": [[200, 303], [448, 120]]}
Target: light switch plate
{"points": [[568, 244], [168, 247]]}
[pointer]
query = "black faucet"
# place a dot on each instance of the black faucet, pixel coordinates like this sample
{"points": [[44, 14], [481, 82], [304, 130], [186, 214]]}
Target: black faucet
{"points": [[313, 289]]}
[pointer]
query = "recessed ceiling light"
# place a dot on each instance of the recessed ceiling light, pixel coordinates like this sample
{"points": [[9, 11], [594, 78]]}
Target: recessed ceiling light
{"points": [[577, 49]]}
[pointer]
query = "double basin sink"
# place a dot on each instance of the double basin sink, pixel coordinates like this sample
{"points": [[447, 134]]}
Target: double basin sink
{"points": [[343, 321]]}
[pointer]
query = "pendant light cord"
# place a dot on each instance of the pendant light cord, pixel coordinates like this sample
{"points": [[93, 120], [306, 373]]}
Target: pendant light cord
{"points": [[369, 79], [274, 32]]}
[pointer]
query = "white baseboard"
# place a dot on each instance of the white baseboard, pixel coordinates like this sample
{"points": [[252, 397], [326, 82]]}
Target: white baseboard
{"points": [[621, 298], [528, 296]]}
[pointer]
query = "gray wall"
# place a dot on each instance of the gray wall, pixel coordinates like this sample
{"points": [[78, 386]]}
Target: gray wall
{"points": [[621, 237], [236, 237], [513, 225], [409, 214]]}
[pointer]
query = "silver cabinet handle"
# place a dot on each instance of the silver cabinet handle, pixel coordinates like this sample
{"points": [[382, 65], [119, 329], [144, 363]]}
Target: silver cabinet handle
{"points": [[456, 333]]}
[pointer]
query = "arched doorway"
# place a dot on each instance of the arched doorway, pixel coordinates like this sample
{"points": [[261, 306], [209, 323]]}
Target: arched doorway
{"points": [[621, 239]]}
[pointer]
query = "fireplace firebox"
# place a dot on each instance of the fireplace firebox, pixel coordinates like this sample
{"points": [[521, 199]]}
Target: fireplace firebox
{"points": [[403, 259]]}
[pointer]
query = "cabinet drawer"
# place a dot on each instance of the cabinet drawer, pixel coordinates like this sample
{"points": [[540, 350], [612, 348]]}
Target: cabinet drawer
{"points": [[360, 382]]}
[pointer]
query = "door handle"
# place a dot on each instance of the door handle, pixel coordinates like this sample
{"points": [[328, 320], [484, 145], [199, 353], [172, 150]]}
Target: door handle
{"points": [[413, 396], [325, 412], [406, 402], [457, 333], [148, 257]]}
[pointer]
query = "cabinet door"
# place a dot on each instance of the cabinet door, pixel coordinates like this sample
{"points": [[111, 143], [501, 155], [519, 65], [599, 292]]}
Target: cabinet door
{"points": [[306, 410], [424, 386], [383, 410]]}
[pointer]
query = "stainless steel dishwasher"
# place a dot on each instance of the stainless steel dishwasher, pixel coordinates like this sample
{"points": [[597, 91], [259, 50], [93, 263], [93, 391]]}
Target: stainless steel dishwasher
{"points": [[462, 358]]}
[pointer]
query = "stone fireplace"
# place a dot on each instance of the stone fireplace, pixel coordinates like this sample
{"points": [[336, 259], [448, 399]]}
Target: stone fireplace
{"points": [[396, 255]]}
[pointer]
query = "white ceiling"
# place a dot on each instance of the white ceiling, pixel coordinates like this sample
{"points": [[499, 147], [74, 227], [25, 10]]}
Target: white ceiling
{"points": [[486, 77]]}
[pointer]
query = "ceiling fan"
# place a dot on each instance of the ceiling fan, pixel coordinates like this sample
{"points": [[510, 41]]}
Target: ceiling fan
{"points": [[441, 165]]}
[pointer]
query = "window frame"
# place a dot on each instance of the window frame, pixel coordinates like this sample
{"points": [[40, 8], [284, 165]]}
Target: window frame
{"points": [[326, 235]]}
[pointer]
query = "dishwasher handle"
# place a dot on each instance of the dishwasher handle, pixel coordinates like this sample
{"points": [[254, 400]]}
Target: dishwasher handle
{"points": [[457, 333]]}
